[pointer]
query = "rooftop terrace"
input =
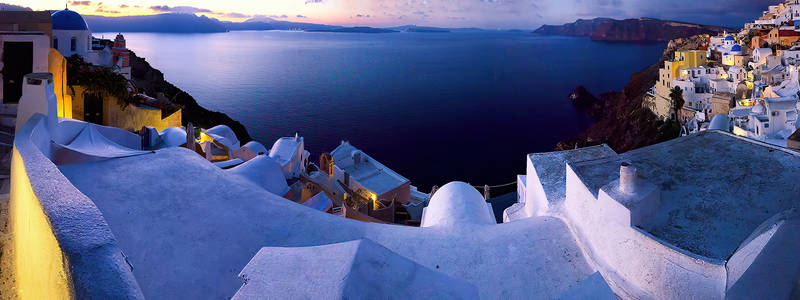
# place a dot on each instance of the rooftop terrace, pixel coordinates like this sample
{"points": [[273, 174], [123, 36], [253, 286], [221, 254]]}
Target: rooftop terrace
{"points": [[188, 228], [716, 188]]}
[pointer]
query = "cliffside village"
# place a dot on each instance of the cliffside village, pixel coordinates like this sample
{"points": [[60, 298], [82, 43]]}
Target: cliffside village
{"points": [[747, 81]]}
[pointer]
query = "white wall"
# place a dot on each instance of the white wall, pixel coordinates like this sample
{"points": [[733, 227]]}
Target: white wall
{"points": [[521, 182], [83, 41], [535, 198], [633, 260], [97, 267]]}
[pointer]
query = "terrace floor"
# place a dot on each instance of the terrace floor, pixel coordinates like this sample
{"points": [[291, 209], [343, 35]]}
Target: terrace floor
{"points": [[716, 188], [189, 228]]}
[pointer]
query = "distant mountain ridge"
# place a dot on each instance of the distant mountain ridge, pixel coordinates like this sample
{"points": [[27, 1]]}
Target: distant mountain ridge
{"points": [[189, 23], [169, 23], [630, 30]]}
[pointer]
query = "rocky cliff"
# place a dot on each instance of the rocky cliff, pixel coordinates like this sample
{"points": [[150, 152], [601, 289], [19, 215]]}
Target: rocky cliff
{"points": [[621, 121], [630, 30], [151, 81]]}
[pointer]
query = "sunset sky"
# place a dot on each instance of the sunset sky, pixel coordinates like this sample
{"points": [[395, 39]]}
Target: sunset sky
{"points": [[445, 13]]}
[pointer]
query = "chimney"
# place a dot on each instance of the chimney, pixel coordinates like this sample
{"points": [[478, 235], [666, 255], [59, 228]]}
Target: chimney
{"points": [[38, 96], [190, 136], [627, 177]]}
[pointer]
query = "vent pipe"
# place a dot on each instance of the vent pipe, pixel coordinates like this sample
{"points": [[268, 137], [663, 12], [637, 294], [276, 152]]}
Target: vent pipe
{"points": [[627, 177]]}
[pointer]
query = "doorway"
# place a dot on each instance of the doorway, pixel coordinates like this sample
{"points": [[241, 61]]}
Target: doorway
{"points": [[93, 108], [17, 62]]}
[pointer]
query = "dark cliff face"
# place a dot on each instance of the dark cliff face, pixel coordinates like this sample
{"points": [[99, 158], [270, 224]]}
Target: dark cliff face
{"points": [[580, 27], [620, 120], [630, 30], [171, 22], [151, 81]]}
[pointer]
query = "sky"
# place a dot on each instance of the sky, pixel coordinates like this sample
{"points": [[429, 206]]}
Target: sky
{"points": [[505, 14]]}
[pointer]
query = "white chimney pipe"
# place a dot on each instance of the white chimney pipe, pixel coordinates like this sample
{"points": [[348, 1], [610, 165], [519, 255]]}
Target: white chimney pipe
{"points": [[627, 177], [38, 97]]}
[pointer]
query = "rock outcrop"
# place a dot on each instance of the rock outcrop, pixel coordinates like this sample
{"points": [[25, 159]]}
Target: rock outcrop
{"points": [[630, 30], [620, 120], [151, 81]]}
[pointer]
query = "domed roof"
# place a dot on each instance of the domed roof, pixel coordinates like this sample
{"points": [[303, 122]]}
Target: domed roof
{"points": [[224, 135], [68, 20], [264, 172], [457, 204], [729, 38], [719, 122], [736, 48], [256, 147], [172, 137]]}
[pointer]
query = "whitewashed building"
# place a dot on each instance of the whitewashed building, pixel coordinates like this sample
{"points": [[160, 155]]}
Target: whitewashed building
{"points": [[71, 34], [290, 153]]}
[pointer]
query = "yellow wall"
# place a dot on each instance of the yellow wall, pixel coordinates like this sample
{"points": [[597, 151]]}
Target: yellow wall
{"points": [[40, 270], [132, 118], [57, 65], [734, 60], [687, 59]]}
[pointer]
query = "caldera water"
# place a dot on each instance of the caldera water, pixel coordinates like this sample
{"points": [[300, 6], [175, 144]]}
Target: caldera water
{"points": [[435, 107]]}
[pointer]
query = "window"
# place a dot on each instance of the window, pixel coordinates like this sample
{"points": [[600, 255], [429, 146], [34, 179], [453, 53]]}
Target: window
{"points": [[55, 43], [73, 44]]}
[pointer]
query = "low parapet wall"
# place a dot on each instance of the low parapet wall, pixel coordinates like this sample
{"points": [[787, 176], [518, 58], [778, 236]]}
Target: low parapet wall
{"points": [[63, 247], [636, 262], [536, 202]]}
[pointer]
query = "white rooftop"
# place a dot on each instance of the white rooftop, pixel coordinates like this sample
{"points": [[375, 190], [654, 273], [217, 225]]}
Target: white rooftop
{"points": [[188, 228], [360, 269], [551, 168], [368, 172], [284, 149], [716, 188]]}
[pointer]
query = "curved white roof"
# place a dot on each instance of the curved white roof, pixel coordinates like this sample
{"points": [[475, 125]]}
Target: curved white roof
{"points": [[284, 149], [225, 135], [90, 145], [256, 147], [457, 204], [265, 172], [172, 137], [719, 122]]}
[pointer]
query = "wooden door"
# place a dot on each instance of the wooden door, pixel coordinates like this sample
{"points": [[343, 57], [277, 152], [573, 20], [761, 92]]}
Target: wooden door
{"points": [[17, 62], [93, 108]]}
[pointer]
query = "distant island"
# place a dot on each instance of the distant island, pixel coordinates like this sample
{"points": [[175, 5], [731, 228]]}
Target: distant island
{"points": [[414, 28], [630, 30], [354, 30]]}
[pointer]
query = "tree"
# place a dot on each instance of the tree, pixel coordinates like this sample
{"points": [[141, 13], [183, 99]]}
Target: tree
{"points": [[676, 96]]}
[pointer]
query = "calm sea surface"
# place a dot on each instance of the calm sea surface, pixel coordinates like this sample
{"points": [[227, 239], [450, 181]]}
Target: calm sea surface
{"points": [[435, 107]]}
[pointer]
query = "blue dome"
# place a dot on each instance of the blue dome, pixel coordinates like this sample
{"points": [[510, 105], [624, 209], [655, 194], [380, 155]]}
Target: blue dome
{"points": [[68, 20], [736, 48], [729, 38]]}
